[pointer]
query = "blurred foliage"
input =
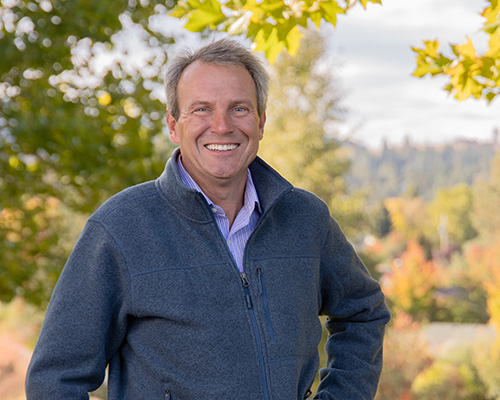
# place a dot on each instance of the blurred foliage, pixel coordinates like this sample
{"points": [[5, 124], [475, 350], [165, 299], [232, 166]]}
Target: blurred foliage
{"points": [[411, 283], [68, 127], [22, 318], [487, 366], [78, 122], [408, 216], [449, 380], [470, 74], [484, 262], [450, 212], [300, 139], [35, 246], [486, 218], [273, 25], [406, 355]]}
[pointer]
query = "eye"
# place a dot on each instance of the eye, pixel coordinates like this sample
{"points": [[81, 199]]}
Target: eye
{"points": [[240, 109]]}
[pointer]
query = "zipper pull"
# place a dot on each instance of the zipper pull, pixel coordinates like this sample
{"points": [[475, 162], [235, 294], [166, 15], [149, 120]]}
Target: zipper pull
{"points": [[244, 280], [168, 396], [249, 301]]}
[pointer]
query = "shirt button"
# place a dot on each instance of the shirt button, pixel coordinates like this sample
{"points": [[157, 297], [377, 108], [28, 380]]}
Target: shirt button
{"points": [[214, 210], [228, 241]]}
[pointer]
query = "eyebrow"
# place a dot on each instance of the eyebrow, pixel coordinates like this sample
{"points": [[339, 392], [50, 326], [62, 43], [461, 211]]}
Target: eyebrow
{"points": [[200, 103]]}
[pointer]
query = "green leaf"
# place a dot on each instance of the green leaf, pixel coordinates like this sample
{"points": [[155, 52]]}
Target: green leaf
{"points": [[490, 96], [267, 41], [429, 61], [207, 13], [330, 11]]}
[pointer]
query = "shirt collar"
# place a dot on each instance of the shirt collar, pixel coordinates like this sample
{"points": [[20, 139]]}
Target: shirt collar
{"points": [[250, 199]]}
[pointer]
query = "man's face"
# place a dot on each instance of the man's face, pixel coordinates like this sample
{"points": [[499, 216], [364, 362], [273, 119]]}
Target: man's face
{"points": [[218, 129]]}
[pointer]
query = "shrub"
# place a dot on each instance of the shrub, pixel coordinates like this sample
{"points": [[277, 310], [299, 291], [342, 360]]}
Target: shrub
{"points": [[450, 379]]}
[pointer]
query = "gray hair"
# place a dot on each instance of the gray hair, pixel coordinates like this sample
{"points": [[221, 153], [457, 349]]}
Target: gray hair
{"points": [[222, 52]]}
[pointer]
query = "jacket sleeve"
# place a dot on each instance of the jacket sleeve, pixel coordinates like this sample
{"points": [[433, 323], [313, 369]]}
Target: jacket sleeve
{"points": [[85, 321], [356, 317]]}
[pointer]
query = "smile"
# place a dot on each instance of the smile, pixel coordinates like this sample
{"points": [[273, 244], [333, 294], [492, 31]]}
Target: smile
{"points": [[221, 147]]}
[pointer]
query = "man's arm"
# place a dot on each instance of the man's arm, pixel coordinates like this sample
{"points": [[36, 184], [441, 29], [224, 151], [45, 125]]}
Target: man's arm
{"points": [[356, 321], [85, 321]]}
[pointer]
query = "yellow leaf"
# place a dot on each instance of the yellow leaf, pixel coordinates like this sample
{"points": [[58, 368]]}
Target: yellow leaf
{"points": [[205, 14], [330, 10], [491, 13], [269, 43], [494, 47], [431, 48], [463, 82], [293, 40], [365, 2], [467, 49], [429, 61]]}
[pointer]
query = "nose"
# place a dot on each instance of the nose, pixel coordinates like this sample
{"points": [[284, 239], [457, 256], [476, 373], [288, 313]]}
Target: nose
{"points": [[221, 122]]}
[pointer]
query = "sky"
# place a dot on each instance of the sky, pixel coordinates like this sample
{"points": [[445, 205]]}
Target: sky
{"points": [[383, 100]]}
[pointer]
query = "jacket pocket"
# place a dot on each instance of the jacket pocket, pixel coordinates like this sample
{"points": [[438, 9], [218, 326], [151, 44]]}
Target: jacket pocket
{"points": [[262, 292]]}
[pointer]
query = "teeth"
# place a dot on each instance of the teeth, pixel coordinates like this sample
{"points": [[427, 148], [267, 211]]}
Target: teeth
{"points": [[221, 147]]}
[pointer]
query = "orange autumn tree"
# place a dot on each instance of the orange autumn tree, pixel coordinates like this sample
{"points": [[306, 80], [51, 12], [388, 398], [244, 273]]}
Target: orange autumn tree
{"points": [[484, 264], [411, 284]]}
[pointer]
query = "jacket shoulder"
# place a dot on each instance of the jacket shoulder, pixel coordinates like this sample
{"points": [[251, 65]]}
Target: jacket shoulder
{"points": [[130, 199], [309, 201]]}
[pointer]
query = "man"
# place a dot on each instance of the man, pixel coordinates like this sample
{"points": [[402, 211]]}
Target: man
{"points": [[207, 283]]}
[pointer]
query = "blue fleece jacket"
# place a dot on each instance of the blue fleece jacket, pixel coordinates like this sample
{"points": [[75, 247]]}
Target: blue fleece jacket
{"points": [[151, 290]]}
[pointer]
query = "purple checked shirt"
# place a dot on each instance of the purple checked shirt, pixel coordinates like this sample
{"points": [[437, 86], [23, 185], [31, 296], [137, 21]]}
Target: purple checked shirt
{"points": [[245, 222]]}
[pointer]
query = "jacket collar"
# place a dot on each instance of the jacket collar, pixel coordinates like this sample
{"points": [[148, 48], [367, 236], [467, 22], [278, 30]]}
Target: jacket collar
{"points": [[269, 184]]}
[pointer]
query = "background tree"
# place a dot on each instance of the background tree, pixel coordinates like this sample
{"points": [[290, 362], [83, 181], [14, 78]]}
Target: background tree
{"points": [[300, 139], [451, 211], [486, 218], [408, 216], [78, 122], [412, 283]]}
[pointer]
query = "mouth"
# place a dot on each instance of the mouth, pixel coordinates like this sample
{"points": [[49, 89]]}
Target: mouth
{"points": [[221, 147]]}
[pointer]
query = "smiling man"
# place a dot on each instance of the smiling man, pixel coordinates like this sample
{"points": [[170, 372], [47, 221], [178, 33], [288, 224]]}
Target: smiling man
{"points": [[218, 128], [207, 283]]}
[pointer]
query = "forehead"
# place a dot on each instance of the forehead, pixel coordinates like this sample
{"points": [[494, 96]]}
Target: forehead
{"points": [[215, 81]]}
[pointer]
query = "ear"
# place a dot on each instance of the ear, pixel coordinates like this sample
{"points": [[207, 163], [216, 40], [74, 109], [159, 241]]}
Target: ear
{"points": [[262, 122], [172, 128]]}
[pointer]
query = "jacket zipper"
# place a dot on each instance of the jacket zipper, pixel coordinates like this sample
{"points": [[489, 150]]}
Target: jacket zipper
{"points": [[246, 283], [262, 292]]}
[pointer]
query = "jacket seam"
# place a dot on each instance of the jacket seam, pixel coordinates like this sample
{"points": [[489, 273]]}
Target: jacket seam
{"points": [[176, 269]]}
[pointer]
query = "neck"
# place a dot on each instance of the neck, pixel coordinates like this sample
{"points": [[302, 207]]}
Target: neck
{"points": [[229, 197]]}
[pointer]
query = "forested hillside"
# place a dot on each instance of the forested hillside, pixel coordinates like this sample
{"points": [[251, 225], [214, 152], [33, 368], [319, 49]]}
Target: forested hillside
{"points": [[418, 170]]}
